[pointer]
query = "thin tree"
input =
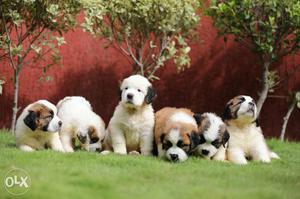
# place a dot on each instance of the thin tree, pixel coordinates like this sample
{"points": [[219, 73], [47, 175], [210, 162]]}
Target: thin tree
{"points": [[271, 28], [29, 31], [294, 102], [148, 32]]}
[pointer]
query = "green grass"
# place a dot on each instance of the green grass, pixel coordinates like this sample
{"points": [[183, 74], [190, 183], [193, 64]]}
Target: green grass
{"points": [[89, 175]]}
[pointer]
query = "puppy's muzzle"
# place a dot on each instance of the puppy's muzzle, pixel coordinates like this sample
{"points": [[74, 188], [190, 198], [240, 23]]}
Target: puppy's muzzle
{"points": [[174, 157], [129, 96], [204, 152]]}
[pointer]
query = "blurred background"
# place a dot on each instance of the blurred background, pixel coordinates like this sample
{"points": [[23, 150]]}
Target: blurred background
{"points": [[219, 71]]}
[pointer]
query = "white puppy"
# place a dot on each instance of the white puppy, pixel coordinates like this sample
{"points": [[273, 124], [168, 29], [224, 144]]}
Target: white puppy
{"points": [[37, 127], [212, 137], [246, 138], [79, 121], [131, 127]]}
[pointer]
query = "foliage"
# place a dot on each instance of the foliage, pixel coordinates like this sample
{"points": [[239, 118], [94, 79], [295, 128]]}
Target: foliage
{"points": [[271, 26], [30, 26], [150, 32], [30, 30]]}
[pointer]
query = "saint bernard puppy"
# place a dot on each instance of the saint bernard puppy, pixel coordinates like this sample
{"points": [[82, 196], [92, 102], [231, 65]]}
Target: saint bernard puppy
{"points": [[130, 129], [246, 138], [174, 128], [212, 137], [37, 127], [79, 121]]}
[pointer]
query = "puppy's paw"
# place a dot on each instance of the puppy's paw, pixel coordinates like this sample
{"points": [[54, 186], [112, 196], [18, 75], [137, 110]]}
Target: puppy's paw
{"points": [[59, 150], [265, 160], [134, 153], [69, 150], [105, 152]]}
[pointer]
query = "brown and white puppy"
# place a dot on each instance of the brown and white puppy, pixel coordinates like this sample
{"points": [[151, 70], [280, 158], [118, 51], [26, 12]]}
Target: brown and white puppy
{"points": [[80, 121], [212, 137], [37, 127], [173, 131], [130, 130], [246, 138]]}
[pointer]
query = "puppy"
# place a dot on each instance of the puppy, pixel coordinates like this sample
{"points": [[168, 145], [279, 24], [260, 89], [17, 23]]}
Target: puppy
{"points": [[79, 121], [246, 138], [212, 137], [174, 128], [37, 127], [130, 129]]}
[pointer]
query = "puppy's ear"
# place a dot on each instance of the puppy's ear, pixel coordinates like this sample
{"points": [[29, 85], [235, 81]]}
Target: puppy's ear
{"points": [[30, 120], [81, 138], [197, 117], [225, 138], [224, 134], [93, 135], [227, 112], [162, 137], [194, 140], [151, 95], [257, 122]]}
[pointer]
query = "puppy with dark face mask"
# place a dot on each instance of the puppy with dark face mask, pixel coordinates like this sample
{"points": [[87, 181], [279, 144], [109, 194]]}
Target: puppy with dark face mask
{"points": [[130, 129], [174, 129], [246, 137], [37, 127], [80, 122], [212, 137]]}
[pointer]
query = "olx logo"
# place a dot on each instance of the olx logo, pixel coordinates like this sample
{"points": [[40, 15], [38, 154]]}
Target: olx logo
{"points": [[17, 181]]}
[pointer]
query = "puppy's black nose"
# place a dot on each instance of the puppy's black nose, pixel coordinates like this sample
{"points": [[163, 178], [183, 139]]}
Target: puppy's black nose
{"points": [[251, 103], [59, 123], [205, 152], [129, 96], [174, 157]]}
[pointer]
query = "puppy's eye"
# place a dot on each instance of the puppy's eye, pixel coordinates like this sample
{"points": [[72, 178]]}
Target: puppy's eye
{"points": [[139, 90], [94, 140], [126, 88], [167, 145], [216, 143], [180, 143], [202, 139]]}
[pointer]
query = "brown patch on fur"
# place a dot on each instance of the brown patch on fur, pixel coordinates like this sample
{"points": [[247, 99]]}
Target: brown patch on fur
{"points": [[44, 115], [204, 124], [234, 105], [163, 125], [92, 132]]}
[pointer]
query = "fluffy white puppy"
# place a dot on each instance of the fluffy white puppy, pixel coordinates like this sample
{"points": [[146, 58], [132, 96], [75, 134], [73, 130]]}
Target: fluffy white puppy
{"points": [[79, 121], [246, 138], [37, 127], [212, 137], [130, 130]]}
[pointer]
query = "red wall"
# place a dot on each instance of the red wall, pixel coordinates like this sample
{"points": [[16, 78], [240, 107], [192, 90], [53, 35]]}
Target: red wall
{"points": [[218, 72]]}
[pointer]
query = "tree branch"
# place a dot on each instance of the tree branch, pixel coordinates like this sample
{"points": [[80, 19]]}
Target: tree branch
{"points": [[9, 40]]}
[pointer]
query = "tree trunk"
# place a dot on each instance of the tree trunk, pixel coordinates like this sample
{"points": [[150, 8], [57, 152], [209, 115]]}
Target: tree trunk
{"points": [[15, 101], [286, 120], [265, 89]]}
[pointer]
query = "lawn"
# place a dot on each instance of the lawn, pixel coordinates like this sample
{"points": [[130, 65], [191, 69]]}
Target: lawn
{"points": [[90, 175]]}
